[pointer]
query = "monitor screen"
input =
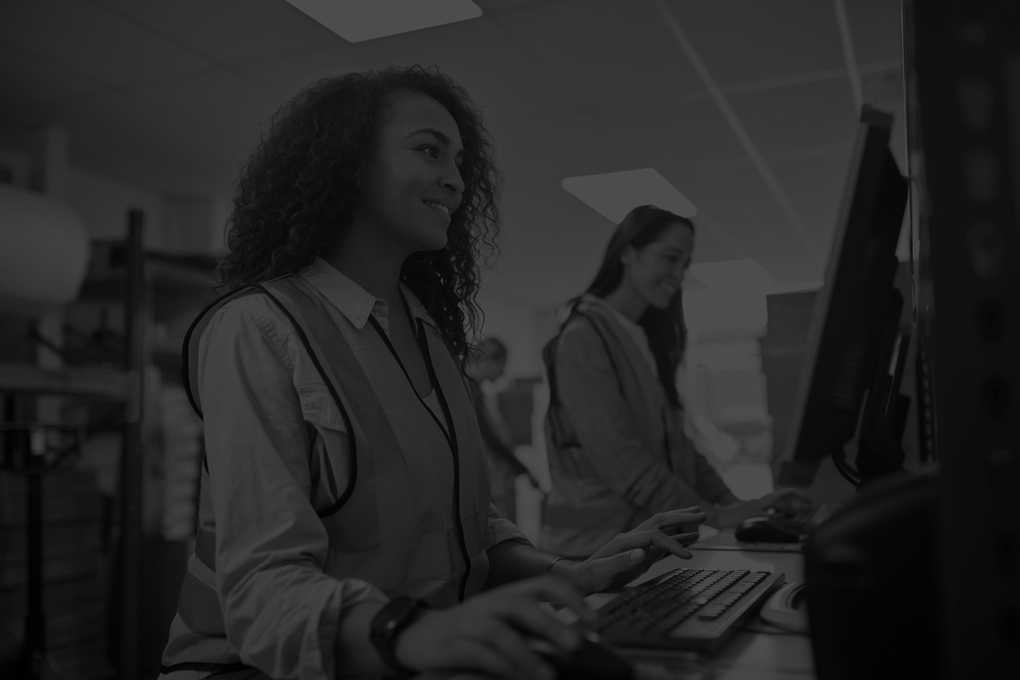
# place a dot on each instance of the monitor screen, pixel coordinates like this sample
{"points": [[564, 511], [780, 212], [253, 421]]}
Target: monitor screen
{"points": [[853, 328]]}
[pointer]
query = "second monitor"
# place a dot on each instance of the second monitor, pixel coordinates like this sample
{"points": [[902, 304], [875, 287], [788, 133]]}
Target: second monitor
{"points": [[853, 336]]}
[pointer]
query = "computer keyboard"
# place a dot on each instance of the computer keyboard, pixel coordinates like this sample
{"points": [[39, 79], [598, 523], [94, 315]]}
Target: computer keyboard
{"points": [[686, 609]]}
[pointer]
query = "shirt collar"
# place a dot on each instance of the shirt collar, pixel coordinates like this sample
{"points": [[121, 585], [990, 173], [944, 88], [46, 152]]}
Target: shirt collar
{"points": [[353, 301]]}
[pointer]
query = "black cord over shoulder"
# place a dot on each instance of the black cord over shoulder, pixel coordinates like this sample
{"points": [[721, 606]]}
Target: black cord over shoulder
{"points": [[549, 354]]}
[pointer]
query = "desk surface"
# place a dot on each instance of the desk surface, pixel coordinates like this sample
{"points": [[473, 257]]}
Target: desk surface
{"points": [[755, 653], [752, 654]]}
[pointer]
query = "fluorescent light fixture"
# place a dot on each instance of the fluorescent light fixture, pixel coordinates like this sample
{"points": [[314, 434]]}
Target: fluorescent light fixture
{"points": [[716, 310], [731, 274], [359, 20], [614, 194]]}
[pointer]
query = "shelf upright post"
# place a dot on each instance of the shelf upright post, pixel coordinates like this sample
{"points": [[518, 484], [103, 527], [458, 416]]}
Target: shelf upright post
{"points": [[129, 624]]}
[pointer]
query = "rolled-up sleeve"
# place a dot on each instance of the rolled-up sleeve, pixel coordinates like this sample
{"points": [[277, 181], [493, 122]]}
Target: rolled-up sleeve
{"points": [[282, 612], [500, 530], [590, 395]]}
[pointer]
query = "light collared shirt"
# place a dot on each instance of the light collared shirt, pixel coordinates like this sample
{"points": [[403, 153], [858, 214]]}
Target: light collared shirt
{"points": [[262, 428]]}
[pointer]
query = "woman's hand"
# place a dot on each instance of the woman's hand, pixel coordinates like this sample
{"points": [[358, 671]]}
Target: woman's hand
{"points": [[735, 514], [627, 556], [489, 632], [788, 500]]}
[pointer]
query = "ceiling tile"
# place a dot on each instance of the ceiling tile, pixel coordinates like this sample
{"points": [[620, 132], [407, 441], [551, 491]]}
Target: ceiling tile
{"points": [[29, 80], [219, 100], [675, 131], [506, 6], [709, 244], [745, 40], [168, 178], [820, 217], [771, 241], [605, 52], [876, 29], [807, 179], [229, 31], [716, 189], [285, 75], [562, 146], [551, 241], [812, 114], [504, 82], [87, 39], [155, 136]]}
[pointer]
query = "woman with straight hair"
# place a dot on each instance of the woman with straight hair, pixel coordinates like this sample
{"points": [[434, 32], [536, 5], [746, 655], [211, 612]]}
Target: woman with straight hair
{"points": [[345, 527], [614, 429]]}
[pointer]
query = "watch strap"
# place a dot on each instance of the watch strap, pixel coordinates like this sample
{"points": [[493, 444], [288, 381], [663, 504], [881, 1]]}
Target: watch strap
{"points": [[388, 623]]}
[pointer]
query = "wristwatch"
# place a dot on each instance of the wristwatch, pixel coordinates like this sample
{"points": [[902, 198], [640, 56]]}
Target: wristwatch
{"points": [[388, 622]]}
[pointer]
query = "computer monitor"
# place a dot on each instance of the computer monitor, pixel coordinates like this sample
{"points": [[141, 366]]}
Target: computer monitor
{"points": [[846, 385]]}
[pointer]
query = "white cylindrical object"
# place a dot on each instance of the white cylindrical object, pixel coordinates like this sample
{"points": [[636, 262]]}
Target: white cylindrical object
{"points": [[44, 253]]}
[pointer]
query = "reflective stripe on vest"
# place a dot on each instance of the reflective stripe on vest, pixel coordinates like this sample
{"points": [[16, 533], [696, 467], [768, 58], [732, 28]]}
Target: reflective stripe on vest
{"points": [[397, 529], [199, 607]]}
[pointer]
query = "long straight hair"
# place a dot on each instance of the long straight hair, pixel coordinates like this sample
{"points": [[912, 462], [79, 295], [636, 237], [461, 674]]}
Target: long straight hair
{"points": [[665, 328]]}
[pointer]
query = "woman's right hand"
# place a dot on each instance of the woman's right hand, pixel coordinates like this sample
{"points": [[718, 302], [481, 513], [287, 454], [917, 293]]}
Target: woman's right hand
{"points": [[735, 514], [489, 632]]}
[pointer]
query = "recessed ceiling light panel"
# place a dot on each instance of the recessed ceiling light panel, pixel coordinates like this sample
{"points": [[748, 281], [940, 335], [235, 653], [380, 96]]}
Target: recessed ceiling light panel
{"points": [[360, 20], [614, 194]]}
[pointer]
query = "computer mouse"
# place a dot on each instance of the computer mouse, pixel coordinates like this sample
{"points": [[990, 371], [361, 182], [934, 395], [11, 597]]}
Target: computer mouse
{"points": [[765, 530], [592, 660]]}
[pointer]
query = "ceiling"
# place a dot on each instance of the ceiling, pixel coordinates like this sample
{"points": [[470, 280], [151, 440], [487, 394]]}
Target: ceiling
{"points": [[747, 107]]}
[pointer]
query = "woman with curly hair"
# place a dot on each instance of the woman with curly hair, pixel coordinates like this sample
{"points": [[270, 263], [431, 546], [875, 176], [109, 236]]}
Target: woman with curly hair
{"points": [[345, 526]]}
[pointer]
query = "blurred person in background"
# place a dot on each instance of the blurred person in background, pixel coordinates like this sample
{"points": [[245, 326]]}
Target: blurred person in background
{"points": [[614, 429], [487, 363]]}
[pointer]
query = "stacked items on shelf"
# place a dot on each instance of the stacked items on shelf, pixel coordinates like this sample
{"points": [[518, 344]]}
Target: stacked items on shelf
{"points": [[74, 572], [182, 458]]}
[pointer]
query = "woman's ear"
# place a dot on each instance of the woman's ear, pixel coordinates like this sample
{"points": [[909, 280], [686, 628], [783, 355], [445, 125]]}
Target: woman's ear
{"points": [[627, 256]]}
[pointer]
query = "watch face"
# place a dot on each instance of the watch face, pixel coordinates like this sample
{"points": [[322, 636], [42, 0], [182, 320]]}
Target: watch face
{"points": [[395, 613], [388, 623], [400, 608]]}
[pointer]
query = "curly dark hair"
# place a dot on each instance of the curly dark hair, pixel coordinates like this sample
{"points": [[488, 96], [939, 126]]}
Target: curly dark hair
{"points": [[299, 186]]}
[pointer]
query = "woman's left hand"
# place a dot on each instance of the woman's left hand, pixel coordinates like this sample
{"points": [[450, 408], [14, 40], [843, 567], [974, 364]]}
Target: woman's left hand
{"points": [[627, 556]]}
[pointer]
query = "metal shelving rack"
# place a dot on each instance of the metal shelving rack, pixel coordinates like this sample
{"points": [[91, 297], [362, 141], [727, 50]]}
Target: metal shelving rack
{"points": [[172, 287], [127, 386]]}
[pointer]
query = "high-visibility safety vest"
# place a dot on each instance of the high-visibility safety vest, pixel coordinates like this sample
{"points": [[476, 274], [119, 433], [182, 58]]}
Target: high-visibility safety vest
{"points": [[582, 513], [407, 531]]}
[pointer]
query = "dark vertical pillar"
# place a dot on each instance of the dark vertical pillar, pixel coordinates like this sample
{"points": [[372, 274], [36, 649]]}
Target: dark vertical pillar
{"points": [[966, 61]]}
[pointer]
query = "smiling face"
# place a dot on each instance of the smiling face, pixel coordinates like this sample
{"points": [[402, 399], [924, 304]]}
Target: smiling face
{"points": [[655, 271], [413, 184]]}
